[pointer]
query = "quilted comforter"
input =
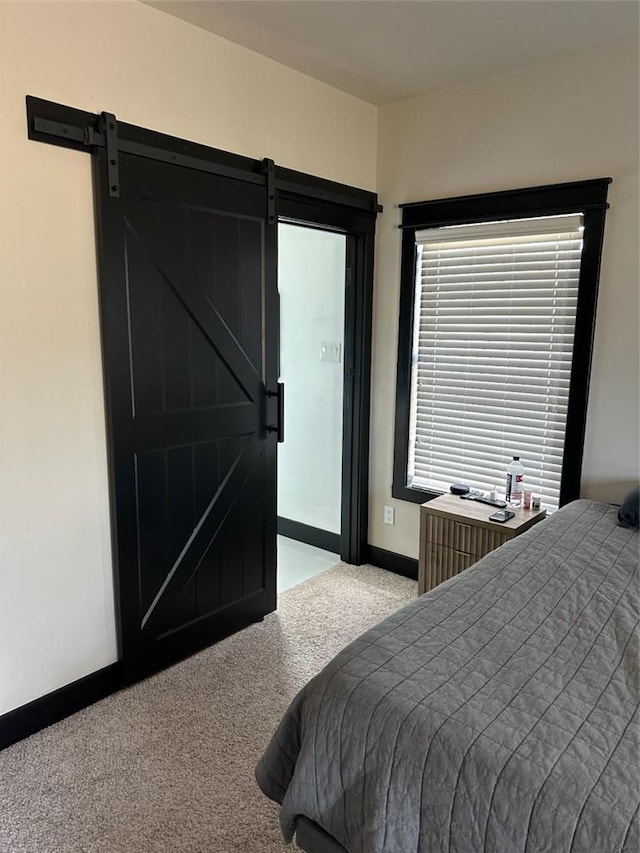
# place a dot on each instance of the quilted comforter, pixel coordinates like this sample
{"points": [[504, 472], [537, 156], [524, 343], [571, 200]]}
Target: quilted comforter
{"points": [[498, 712]]}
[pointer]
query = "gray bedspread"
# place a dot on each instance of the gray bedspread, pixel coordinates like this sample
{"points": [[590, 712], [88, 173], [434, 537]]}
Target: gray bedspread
{"points": [[498, 712]]}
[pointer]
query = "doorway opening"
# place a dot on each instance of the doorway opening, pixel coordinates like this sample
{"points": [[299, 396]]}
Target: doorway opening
{"points": [[311, 284]]}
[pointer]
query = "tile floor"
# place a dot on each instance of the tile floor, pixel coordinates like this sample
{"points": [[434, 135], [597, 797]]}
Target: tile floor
{"points": [[298, 561]]}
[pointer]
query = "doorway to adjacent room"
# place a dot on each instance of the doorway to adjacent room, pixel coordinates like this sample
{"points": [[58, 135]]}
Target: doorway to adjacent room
{"points": [[311, 284]]}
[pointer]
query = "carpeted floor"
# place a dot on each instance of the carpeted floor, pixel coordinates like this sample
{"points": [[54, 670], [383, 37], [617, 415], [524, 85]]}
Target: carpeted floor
{"points": [[167, 765]]}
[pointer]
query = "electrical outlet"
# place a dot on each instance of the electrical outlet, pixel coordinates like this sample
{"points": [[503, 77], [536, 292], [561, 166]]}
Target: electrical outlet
{"points": [[389, 515]]}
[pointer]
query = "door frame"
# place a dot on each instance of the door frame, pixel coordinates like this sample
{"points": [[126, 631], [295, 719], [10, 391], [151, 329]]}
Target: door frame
{"points": [[358, 303], [292, 196]]}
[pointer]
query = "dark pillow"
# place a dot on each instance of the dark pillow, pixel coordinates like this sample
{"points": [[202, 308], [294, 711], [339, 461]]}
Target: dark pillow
{"points": [[629, 512]]}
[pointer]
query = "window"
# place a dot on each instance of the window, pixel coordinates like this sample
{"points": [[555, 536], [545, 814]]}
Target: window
{"points": [[497, 313]]}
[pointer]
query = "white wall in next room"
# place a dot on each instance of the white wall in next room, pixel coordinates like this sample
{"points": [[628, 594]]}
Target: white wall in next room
{"points": [[311, 280]]}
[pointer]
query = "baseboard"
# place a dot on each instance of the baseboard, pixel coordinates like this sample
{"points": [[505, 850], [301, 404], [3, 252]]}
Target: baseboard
{"points": [[311, 535], [30, 718], [47, 710], [398, 563]]}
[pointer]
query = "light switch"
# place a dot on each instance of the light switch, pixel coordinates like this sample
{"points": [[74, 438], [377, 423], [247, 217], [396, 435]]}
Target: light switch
{"points": [[330, 352]]}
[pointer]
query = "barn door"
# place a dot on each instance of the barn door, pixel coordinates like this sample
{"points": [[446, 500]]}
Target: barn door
{"points": [[189, 324], [189, 313]]}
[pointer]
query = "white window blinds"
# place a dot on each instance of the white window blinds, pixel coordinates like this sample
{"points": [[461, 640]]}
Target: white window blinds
{"points": [[493, 339]]}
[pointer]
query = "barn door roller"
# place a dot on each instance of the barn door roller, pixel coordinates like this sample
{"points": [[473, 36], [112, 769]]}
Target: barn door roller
{"points": [[109, 126], [105, 137], [269, 169]]}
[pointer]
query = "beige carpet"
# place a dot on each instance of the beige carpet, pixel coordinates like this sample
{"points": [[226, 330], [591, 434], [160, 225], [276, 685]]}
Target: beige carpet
{"points": [[167, 766]]}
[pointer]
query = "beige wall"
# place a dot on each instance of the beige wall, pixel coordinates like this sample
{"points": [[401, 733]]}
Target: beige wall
{"points": [[56, 593], [565, 121]]}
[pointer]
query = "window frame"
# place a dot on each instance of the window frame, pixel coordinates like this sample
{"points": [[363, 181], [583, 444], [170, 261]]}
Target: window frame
{"points": [[586, 197]]}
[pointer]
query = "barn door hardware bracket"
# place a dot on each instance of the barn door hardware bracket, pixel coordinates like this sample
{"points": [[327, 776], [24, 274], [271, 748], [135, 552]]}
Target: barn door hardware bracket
{"points": [[269, 169], [83, 135], [100, 134], [109, 127]]}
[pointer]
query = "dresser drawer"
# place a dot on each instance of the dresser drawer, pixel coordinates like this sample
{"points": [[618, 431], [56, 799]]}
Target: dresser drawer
{"points": [[463, 538], [440, 564]]}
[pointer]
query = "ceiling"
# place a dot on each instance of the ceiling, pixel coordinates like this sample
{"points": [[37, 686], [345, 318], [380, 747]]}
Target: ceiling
{"points": [[389, 50]]}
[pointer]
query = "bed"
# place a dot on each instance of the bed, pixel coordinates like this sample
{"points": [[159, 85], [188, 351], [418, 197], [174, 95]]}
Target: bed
{"points": [[498, 712]]}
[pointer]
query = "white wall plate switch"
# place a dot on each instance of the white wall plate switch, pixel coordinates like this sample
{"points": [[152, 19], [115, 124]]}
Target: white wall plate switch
{"points": [[330, 352]]}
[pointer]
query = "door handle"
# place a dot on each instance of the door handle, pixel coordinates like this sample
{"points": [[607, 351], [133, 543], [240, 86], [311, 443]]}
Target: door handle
{"points": [[279, 427]]}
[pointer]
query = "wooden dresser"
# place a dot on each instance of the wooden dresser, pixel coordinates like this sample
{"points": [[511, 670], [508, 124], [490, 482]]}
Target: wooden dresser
{"points": [[455, 533]]}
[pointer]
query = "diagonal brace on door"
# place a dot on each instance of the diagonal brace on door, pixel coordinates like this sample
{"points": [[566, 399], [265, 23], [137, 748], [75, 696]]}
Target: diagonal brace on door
{"points": [[180, 278]]}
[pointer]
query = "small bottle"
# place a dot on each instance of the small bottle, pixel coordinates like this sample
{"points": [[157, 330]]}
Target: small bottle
{"points": [[515, 482]]}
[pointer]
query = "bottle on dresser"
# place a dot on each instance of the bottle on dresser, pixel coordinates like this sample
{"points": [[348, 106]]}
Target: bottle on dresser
{"points": [[515, 482]]}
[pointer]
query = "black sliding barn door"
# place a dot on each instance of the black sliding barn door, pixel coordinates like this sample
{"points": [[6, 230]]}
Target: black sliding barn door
{"points": [[189, 313], [189, 323]]}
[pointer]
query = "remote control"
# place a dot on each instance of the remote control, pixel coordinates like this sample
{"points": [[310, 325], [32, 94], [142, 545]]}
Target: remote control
{"points": [[481, 499]]}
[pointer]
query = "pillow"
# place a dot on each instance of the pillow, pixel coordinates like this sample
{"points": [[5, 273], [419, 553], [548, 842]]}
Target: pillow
{"points": [[629, 512]]}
